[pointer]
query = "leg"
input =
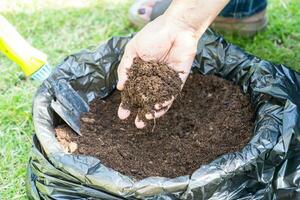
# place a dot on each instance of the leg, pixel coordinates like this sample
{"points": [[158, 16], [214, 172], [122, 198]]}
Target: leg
{"points": [[245, 17]]}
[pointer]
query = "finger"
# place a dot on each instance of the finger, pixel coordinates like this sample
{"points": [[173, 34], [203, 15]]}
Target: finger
{"points": [[157, 114], [159, 106], [123, 113], [139, 123], [124, 65], [186, 68]]}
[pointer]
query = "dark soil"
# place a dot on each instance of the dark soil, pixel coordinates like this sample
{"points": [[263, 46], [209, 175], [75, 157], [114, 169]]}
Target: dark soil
{"points": [[149, 83], [211, 117]]}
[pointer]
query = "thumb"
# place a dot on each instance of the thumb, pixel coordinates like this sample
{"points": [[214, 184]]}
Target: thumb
{"points": [[124, 66]]}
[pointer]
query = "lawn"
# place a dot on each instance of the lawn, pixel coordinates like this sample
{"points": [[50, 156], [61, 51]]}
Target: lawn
{"points": [[59, 29]]}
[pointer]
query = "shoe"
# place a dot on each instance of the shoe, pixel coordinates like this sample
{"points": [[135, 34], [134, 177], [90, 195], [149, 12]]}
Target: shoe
{"points": [[247, 26]]}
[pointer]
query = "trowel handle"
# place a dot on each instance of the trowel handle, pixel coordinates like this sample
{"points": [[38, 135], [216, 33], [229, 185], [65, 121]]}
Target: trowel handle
{"points": [[16, 48]]}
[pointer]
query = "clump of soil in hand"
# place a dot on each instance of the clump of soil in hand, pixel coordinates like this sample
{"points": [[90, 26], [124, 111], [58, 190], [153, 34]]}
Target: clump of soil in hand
{"points": [[149, 83], [211, 117]]}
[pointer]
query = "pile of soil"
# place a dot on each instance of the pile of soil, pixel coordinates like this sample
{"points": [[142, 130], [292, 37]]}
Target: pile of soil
{"points": [[211, 117], [149, 83], [65, 135]]}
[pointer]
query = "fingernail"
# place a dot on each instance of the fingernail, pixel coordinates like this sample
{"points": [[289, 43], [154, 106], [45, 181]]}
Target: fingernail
{"points": [[142, 11]]}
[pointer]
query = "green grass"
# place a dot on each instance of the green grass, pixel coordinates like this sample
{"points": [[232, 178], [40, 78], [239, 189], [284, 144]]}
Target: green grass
{"points": [[60, 31], [280, 43], [57, 32]]}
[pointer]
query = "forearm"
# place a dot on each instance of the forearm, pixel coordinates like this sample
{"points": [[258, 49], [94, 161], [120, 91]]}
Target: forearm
{"points": [[197, 14]]}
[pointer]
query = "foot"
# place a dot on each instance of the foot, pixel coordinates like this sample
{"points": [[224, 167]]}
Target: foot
{"points": [[143, 11]]}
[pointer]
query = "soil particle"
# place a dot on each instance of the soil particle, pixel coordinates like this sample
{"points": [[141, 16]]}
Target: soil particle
{"points": [[211, 117]]}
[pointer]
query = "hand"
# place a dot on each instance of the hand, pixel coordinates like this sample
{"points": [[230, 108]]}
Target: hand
{"points": [[171, 38], [161, 40]]}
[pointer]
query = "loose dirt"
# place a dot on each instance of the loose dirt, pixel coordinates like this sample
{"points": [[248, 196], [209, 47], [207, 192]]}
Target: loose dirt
{"points": [[210, 117]]}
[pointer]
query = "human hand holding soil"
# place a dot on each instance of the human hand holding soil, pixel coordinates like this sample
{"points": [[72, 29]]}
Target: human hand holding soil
{"points": [[171, 39], [174, 45]]}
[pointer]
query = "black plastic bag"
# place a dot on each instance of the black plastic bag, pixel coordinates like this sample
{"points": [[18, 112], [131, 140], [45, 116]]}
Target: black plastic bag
{"points": [[266, 168]]}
